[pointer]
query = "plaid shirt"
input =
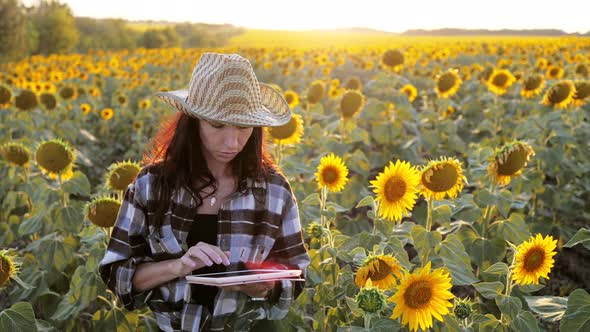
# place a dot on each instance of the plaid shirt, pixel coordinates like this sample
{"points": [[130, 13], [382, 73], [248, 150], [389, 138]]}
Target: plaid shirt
{"points": [[251, 228]]}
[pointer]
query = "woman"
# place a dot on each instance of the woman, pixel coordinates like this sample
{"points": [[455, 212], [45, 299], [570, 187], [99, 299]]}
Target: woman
{"points": [[209, 199]]}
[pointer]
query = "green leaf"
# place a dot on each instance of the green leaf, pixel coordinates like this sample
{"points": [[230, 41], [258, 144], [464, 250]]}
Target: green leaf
{"points": [[550, 308], [19, 317], [424, 241], [524, 321], [499, 268], [487, 322], [56, 251], [70, 218], [312, 199], [78, 184], [489, 290], [530, 288], [581, 237], [366, 201], [504, 202], [442, 215], [513, 229], [114, 320], [484, 197], [509, 305], [457, 261], [33, 224], [577, 314]]}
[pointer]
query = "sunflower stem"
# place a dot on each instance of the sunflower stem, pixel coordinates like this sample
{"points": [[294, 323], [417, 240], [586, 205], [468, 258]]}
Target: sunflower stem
{"points": [[429, 215], [368, 322], [376, 208], [64, 198], [487, 214]]}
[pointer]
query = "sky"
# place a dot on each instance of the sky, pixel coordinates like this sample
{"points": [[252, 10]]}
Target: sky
{"points": [[387, 15]]}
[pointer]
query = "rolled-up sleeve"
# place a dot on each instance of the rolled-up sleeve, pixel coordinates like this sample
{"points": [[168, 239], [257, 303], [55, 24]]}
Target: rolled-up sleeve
{"points": [[126, 249], [289, 250]]}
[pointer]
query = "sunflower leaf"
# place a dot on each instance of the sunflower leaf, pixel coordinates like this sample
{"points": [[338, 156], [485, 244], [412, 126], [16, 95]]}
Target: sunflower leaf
{"points": [[19, 317], [489, 290], [581, 237], [498, 268], [549, 308], [366, 201], [577, 314], [524, 321], [457, 261], [509, 305]]}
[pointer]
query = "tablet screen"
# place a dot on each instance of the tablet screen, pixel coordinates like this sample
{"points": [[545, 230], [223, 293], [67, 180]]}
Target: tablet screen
{"points": [[235, 273]]}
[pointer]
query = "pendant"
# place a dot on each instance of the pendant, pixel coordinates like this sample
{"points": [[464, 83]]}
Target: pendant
{"points": [[213, 200]]}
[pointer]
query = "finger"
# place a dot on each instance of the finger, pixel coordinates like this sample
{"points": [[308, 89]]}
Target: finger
{"points": [[188, 261], [199, 255], [224, 255], [213, 254]]}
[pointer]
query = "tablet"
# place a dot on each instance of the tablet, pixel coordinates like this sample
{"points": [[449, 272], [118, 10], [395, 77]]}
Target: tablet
{"points": [[230, 278]]}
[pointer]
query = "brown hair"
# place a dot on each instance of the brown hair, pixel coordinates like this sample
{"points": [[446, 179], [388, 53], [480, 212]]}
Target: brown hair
{"points": [[176, 159]]}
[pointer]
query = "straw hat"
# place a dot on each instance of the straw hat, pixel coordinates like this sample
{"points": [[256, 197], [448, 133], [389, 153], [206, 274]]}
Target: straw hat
{"points": [[224, 89]]}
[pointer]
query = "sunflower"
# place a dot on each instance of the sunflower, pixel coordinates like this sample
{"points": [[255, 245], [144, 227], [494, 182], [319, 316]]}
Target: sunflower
{"points": [[289, 133], [352, 102], [48, 101], [581, 69], [8, 267], [315, 92], [94, 92], [382, 270], [292, 98], [16, 154], [541, 63], [144, 104], [5, 94], [353, 83], [107, 113], [534, 259], [421, 296], [68, 93], [371, 299], [55, 157], [121, 174], [582, 92], [508, 162], [447, 84], [315, 230], [332, 173], [442, 178], [393, 59], [500, 81], [86, 108], [532, 86], [449, 111], [410, 91], [560, 94], [554, 72], [102, 211], [396, 189], [26, 100], [120, 99]]}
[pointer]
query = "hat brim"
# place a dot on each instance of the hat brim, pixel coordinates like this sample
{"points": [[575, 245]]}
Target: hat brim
{"points": [[274, 111]]}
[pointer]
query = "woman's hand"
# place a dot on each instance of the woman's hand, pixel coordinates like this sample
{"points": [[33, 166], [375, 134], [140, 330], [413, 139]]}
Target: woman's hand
{"points": [[257, 289], [200, 255]]}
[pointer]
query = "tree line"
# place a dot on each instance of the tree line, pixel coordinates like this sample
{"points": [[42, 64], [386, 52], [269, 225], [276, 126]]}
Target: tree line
{"points": [[50, 27]]}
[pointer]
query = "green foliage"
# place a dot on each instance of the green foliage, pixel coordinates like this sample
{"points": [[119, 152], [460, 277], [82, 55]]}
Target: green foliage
{"points": [[56, 27]]}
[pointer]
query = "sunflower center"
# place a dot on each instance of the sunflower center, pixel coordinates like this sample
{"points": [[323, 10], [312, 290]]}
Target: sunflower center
{"points": [[534, 259], [53, 157], [532, 83], [418, 294], [330, 174], [381, 271], [394, 189], [285, 131], [514, 162], [446, 82], [582, 90], [441, 179], [559, 93], [500, 80]]}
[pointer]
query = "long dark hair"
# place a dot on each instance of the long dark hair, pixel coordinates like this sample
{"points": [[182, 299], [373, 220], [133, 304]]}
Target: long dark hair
{"points": [[176, 159]]}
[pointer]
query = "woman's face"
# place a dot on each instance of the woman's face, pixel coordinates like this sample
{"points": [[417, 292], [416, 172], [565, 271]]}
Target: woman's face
{"points": [[221, 142]]}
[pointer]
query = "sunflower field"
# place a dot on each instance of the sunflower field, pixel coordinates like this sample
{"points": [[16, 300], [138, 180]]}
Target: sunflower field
{"points": [[443, 184]]}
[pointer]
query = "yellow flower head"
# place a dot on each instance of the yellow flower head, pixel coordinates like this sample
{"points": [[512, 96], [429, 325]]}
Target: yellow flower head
{"points": [[500, 81], [560, 94], [332, 173], [55, 157], [8, 267], [410, 91], [121, 174], [289, 133], [442, 178], [102, 211], [447, 84], [107, 113], [532, 86], [315, 92], [85, 108], [534, 259], [422, 295], [582, 92], [396, 190], [393, 59], [16, 154], [381, 270], [352, 102], [509, 161], [292, 98]]}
